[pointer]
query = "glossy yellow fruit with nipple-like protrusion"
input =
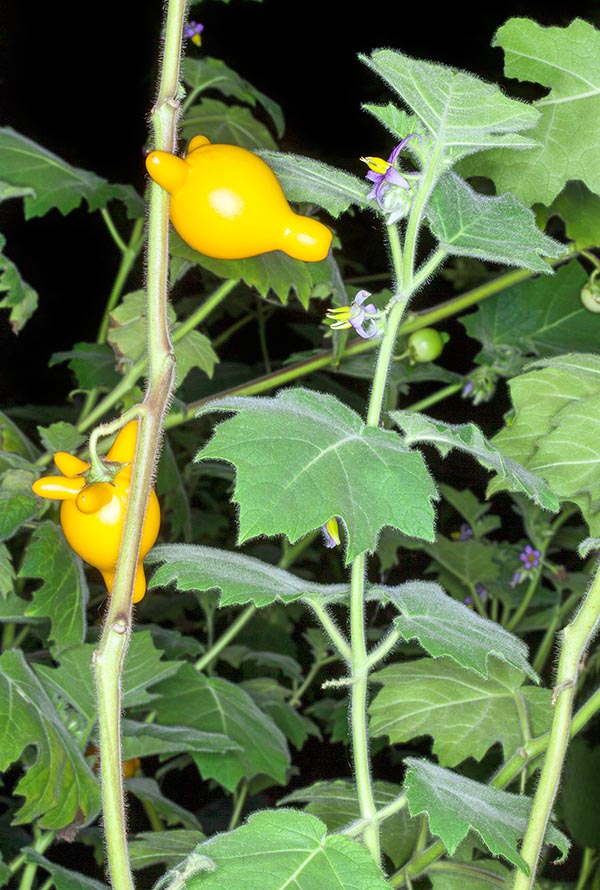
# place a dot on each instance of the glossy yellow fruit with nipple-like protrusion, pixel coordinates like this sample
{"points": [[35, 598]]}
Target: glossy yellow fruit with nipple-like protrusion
{"points": [[227, 203]]}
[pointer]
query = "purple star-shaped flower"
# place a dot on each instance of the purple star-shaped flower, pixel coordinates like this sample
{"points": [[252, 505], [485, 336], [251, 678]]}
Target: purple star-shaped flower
{"points": [[192, 31], [530, 557], [384, 174], [356, 315]]}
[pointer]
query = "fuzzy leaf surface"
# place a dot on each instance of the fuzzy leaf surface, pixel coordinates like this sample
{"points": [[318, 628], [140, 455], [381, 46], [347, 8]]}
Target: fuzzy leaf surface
{"points": [[59, 787], [148, 739], [63, 594], [277, 850], [63, 878], [464, 713], [445, 626], [461, 112], [169, 847], [15, 508], [241, 579], [455, 804], [495, 228], [231, 124], [55, 183], [566, 60], [555, 429], [215, 705], [329, 463], [468, 437]]}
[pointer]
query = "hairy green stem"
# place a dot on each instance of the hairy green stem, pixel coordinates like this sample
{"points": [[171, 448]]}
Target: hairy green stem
{"points": [[575, 640], [110, 655], [226, 637]]}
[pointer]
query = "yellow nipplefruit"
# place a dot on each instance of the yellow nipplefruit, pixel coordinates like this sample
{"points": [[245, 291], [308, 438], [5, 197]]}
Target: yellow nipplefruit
{"points": [[227, 203]]}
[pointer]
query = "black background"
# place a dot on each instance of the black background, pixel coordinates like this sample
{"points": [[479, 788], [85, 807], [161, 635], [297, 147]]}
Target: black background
{"points": [[80, 80]]}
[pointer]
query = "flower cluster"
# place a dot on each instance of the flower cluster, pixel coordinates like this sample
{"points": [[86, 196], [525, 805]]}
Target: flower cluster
{"points": [[463, 533], [530, 557], [356, 315], [390, 188]]}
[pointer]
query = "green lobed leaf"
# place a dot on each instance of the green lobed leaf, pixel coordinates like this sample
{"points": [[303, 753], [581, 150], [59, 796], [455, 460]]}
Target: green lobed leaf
{"points": [[335, 802], [467, 504], [74, 681], [273, 700], [16, 508], [215, 705], [241, 579], [208, 73], [455, 804], [566, 61], [468, 437], [92, 363], [328, 464], [169, 847], [542, 316], [464, 713], [472, 561], [555, 427], [444, 626], [279, 849], [499, 229], [63, 594], [149, 739], [21, 299], [61, 436], [63, 878], [231, 124], [462, 113], [59, 787], [55, 183], [307, 180], [148, 791], [579, 209]]}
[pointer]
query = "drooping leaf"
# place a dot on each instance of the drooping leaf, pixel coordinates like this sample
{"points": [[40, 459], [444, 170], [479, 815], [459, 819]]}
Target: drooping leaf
{"points": [[208, 73], [59, 787], [468, 437], [169, 847], [495, 228], [61, 436], [444, 626], [73, 679], [171, 813], [462, 113], [279, 849], [566, 61], [294, 484], [542, 316], [63, 594], [20, 298], [464, 713], [579, 209], [63, 878], [215, 705], [14, 441], [149, 739], [232, 124], [304, 179], [54, 182], [92, 363], [555, 428], [455, 804], [336, 804], [241, 579]]}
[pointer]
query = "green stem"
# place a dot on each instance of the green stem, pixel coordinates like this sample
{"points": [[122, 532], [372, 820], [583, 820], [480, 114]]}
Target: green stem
{"points": [[358, 709], [316, 666], [241, 793], [575, 640], [109, 658], [331, 629], [390, 809], [436, 397], [113, 230], [587, 866], [262, 335], [232, 631], [547, 645], [383, 649], [42, 842]]}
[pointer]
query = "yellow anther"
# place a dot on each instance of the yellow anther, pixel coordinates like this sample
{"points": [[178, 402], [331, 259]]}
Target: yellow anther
{"points": [[377, 165]]}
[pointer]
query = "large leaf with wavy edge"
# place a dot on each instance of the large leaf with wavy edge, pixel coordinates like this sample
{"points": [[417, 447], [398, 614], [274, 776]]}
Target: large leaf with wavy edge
{"points": [[219, 122], [556, 428], [54, 182], [241, 579], [335, 802], [542, 316], [566, 60], [73, 679], [464, 713], [455, 804], [63, 595], [278, 850], [462, 113], [468, 438], [495, 228], [303, 457], [59, 787], [304, 179], [215, 705], [444, 626]]}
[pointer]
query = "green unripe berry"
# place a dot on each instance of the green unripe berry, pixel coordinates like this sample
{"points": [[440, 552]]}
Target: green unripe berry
{"points": [[426, 345]]}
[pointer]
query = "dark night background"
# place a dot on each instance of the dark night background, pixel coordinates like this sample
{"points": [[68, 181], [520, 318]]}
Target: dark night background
{"points": [[81, 84]]}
